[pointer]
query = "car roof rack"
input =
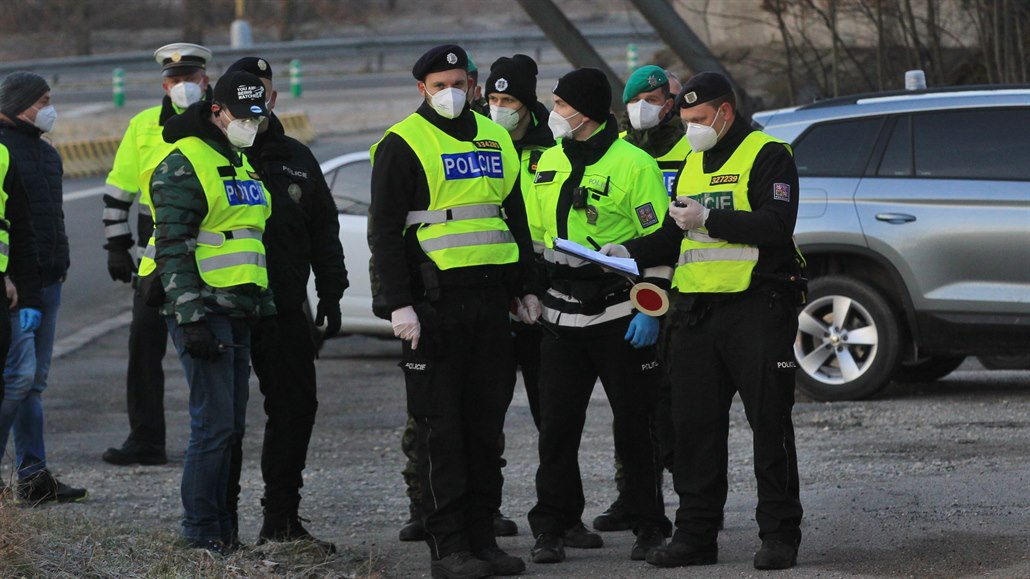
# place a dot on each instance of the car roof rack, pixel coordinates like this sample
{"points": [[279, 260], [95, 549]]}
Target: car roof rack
{"points": [[853, 99]]}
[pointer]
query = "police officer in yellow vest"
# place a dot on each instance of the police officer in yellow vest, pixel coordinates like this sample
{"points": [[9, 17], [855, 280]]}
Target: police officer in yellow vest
{"points": [[651, 122], [210, 210], [17, 261], [185, 81], [732, 325], [447, 232], [594, 188]]}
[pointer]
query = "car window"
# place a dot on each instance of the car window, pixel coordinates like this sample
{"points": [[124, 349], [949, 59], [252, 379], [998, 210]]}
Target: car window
{"points": [[972, 144], [897, 156], [351, 188], [838, 149]]}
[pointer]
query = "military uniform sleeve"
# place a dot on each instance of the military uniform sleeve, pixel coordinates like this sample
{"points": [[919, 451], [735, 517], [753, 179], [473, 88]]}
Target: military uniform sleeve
{"points": [[23, 264], [396, 174], [327, 259], [180, 207], [120, 190], [773, 194]]}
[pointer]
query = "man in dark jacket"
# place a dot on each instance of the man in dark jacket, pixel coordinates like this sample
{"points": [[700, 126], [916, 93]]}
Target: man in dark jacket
{"points": [[301, 236], [25, 114]]}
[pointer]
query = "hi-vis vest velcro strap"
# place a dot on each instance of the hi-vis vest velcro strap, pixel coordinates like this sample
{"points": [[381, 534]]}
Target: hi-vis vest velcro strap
{"points": [[482, 211], [470, 239], [718, 254], [217, 238], [215, 262]]}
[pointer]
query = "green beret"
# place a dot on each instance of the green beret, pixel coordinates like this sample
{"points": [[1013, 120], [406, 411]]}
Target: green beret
{"points": [[644, 79]]}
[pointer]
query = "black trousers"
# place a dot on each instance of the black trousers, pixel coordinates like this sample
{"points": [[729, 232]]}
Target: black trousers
{"points": [[743, 345], [569, 367], [527, 357], [285, 367], [5, 338], [459, 385], [145, 380]]}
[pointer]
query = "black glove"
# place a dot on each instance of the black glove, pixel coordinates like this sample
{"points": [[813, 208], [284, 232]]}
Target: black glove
{"points": [[329, 314], [120, 265], [200, 341]]}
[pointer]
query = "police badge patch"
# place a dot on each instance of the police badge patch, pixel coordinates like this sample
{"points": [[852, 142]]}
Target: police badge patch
{"points": [[294, 191], [646, 215], [501, 85], [781, 192]]}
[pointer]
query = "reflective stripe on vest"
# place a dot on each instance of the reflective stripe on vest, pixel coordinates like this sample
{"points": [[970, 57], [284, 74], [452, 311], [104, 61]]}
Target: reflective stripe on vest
{"points": [[707, 264], [470, 179], [454, 214], [5, 233], [209, 264]]}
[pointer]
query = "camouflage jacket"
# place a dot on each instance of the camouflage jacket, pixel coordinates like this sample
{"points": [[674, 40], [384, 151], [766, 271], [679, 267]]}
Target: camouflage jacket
{"points": [[179, 208]]}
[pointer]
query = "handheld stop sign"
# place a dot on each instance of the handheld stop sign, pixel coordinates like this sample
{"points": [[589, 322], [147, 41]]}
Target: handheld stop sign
{"points": [[649, 299]]}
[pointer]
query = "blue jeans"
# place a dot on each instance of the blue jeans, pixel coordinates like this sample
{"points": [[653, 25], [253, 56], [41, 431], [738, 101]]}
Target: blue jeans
{"points": [[28, 364], [218, 410]]}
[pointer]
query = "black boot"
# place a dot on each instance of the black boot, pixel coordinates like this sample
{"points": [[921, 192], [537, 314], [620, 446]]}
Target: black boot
{"points": [[285, 526], [503, 526], [413, 529]]}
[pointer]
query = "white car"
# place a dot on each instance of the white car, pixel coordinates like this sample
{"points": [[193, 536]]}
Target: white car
{"points": [[349, 177]]}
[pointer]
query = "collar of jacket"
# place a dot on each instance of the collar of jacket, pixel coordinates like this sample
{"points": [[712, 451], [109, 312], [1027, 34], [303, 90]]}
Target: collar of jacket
{"points": [[591, 150], [657, 140], [195, 122], [538, 134], [463, 127]]}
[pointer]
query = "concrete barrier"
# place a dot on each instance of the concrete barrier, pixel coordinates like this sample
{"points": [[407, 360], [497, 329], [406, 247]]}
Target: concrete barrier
{"points": [[91, 157]]}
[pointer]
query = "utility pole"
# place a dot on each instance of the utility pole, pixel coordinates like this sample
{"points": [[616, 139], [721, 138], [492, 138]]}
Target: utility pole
{"points": [[687, 45], [568, 39]]}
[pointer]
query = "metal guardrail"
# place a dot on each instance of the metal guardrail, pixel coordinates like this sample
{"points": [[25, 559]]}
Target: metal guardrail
{"points": [[325, 48]]}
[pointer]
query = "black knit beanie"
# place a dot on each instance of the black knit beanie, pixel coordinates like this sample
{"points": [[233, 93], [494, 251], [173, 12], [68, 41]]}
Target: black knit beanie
{"points": [[19, 91], [515, 76], [586, 90]]}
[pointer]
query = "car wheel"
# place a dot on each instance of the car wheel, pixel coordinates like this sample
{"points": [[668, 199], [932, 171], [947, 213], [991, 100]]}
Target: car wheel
{"points": [[848, 343], [927, 369]]}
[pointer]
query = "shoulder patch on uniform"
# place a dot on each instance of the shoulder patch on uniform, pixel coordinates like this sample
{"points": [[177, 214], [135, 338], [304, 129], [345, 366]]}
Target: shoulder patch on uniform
{"points": [[724, 179], [646, 215], [544, 176], [781, 192], [486, 144]]}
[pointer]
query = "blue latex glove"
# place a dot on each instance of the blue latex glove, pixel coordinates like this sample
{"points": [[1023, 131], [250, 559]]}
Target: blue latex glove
{"points": [[29, 318], [642, 332]]}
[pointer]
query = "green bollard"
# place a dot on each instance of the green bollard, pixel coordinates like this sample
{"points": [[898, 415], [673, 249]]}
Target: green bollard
{"points": [[118, 87], [631, 57], [295, 88]]}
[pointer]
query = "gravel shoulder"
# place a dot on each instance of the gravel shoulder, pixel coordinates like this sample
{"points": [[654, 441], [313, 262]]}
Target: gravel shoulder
{"points": [[927, 480]]}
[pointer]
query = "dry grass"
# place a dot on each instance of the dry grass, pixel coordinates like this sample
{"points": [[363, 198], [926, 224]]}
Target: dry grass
{"points": [[46, 542]]}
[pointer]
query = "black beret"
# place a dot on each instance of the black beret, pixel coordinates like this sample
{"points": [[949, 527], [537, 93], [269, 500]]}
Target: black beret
{"points": [[439, 59], [259, 67], [587, 90], [703, 87], [515, 76]]}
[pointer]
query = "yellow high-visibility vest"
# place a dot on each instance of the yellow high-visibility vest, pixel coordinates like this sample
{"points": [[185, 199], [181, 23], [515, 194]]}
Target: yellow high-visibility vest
{"points": [[5, 225]]}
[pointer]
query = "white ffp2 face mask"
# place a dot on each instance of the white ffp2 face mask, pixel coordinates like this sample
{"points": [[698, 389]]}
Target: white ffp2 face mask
{"points": [[643, 115], [242, 132], [560, 126], [507, 118], [45, 118], [448, 102], [703, 137], [184, 94]]}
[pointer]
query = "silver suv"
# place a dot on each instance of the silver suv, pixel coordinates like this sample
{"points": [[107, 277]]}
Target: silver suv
{"points": [[915, 220]]}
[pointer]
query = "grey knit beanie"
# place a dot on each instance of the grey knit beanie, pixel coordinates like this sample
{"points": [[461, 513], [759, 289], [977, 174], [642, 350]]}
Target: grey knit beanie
{"points": [[19, 91]]}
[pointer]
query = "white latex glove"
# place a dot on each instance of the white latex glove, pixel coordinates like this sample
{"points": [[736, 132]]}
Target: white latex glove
{"points": [[405, 325], [615, 250], [691, 216], [529, 309]]}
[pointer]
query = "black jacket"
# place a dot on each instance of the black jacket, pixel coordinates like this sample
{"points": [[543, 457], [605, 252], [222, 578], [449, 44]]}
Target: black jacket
{"points": [[398, 186], [22, 265], [41, 172], [769, 225], [303, 233]]}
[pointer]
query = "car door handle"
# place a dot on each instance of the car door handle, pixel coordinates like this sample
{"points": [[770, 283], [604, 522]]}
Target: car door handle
{"points": [[895, 218]]}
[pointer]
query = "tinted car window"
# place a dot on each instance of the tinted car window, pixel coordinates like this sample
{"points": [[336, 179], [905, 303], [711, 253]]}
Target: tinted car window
{"points": [[897, 156], [350, 186], [973, 144], [836, 149]]}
